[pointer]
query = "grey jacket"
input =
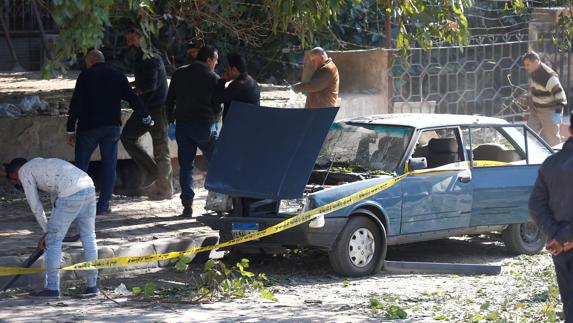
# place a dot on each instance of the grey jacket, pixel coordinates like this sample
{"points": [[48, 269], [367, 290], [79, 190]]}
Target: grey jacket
{"points": [[551, 202]]}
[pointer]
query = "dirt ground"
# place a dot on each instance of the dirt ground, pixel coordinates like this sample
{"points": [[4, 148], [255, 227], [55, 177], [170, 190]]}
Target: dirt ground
{"points": [[307, 291]]}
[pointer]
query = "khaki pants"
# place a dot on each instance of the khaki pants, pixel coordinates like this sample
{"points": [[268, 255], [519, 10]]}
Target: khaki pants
{"points": [[541, 121]]}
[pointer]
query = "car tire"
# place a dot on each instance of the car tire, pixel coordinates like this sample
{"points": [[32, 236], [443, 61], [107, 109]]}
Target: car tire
{"points": [[359, 249], [524, 238]]}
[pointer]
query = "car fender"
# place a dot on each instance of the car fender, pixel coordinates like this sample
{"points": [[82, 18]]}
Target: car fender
{"points": [[373, 210]]}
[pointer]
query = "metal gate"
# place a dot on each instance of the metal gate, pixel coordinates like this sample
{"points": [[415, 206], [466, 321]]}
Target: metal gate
{"points": [[484, 79]]}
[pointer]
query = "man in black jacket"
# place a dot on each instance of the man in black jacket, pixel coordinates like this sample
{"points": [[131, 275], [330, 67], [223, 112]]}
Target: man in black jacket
{"points": [[243, 87], [151, 87], [95, 119], [189, 104], [550, 206]]}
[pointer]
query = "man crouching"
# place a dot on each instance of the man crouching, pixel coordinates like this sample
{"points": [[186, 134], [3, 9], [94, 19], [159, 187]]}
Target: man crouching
{"points": [[73, 192]]}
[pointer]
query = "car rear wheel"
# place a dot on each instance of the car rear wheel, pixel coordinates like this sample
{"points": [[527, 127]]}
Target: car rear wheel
{"points": [[524, 238], [359, 249]]}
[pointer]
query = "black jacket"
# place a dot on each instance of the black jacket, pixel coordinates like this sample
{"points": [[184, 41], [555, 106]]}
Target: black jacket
{"points": [[190, 92], [151, 79], [243, 89], [96, 101], [551, 202]]}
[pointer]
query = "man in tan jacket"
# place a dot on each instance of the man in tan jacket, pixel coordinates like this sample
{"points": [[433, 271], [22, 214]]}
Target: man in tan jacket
{"points": [[322, 89]]}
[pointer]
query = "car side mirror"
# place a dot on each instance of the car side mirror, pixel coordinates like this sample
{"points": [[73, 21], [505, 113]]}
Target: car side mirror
{"points": [[417, 164]]}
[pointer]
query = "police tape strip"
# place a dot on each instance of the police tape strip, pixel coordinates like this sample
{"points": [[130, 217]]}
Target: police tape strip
{"points": [[279, 227]]}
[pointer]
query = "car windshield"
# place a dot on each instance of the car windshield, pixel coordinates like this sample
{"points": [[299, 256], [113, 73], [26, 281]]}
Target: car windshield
{"points": [[364, 148]]}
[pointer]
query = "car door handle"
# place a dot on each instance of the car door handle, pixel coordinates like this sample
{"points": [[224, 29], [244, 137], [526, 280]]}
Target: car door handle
{"points": [[464, 178]]}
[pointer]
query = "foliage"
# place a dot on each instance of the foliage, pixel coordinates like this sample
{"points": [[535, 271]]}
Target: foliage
{"points": [[256, 23], [218, 281], [562, 34], [387, 303]]}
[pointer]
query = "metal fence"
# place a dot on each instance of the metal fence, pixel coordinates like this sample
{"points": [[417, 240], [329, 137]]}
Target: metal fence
{"points": [[483, 79]]}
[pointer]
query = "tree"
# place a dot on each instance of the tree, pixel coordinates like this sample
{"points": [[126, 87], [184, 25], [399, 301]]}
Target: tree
{"points": [[83, 23]]}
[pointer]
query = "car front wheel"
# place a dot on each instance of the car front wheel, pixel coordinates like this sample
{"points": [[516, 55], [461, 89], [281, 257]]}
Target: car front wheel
{"points": [[524, 238], [359, 248]]}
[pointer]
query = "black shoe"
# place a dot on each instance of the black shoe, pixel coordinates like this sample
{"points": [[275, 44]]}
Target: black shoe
{"points": [[187, 212], [89, 292], [46, 293]]}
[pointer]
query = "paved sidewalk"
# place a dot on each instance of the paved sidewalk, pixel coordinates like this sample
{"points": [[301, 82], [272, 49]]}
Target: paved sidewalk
{"points": [[136, 227]]}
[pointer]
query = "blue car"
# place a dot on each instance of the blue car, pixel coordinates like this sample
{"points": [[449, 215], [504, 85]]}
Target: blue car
{"points": [[467, 175]]}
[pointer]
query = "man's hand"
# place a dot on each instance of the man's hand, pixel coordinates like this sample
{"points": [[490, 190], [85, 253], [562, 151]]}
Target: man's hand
{"points": [[568, 245], [42, 242], [554, 247], [297, 88], [225, 76], [148, 121], [71, 139]]}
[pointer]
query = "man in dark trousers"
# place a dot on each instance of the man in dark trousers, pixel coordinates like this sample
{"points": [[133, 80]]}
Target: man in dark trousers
{"points": [[551, 206], [243, 87], [190, 105], [95, 119], [151, 87]]}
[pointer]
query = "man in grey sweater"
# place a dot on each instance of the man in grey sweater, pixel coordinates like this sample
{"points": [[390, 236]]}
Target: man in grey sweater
{"points": [[551, 207], [73, 192]]}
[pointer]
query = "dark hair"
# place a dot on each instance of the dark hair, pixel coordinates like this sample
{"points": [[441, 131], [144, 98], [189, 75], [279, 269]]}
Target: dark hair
{"points": [[205, 53], [236, 60], [571, 121], [134, 30], [14, 165], [531, 55]]}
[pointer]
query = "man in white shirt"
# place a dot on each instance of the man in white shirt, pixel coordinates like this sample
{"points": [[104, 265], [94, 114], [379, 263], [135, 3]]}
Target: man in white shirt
{"points": [[74, 194]]}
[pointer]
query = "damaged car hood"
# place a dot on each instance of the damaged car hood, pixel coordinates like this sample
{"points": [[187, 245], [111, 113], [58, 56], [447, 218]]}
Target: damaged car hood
{"points": [[267, 153]]}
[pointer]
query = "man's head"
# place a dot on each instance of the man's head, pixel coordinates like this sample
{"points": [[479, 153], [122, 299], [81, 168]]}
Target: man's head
{"points": [[192, 50], [93, 57], [317, 57], [134, 38], [12, 169], [571, 125], [531, 61], [237, 65], [208, 55]]}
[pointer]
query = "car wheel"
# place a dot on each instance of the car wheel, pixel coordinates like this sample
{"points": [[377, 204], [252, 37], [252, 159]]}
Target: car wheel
{"points": [[524, 238], [359, 249]]}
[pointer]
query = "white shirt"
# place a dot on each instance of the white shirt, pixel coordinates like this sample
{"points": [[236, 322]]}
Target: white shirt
{"points": [[55, 176]]}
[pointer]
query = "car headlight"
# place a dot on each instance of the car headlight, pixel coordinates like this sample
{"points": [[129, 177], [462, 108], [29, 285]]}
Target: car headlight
{"points": [[293, 206]]}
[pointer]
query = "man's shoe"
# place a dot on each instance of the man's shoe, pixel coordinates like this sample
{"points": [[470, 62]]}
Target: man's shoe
{"points": [[187, 211], [89, 292], [46, 293]]}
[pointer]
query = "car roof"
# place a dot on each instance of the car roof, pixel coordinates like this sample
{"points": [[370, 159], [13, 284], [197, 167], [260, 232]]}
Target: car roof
{"points": [[425, 120]]}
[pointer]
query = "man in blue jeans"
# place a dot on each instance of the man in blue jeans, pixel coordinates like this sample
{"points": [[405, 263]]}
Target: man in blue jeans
{"points": [[73, 192], [95, 119], [190, 105]]}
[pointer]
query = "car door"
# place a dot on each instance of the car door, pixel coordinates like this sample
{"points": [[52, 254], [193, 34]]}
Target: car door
{"points": [[440, 197], [506, 159]]}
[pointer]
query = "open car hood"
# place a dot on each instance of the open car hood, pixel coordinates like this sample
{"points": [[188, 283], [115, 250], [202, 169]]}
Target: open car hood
{"points": [[267, 153]]}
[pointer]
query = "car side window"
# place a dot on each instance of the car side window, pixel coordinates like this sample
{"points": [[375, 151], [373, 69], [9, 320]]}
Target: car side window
{"points": [[499, 145], [440, 147]]}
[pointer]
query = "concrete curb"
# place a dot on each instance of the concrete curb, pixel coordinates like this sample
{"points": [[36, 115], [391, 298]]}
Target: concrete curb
{"points": [[73, 253]]}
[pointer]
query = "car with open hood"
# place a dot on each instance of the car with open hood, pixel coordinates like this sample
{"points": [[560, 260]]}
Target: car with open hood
{"points": [[464, 175]]}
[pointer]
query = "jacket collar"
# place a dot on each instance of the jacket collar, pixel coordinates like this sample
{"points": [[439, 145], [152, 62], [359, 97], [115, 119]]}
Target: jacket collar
{"points": [[568, 145]]}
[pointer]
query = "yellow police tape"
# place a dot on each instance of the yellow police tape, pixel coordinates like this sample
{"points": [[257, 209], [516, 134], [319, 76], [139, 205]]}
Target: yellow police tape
{"points": [[279, 227]]}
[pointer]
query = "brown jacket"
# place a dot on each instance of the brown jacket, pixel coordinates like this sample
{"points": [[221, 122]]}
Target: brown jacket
{"points": [[322, 89]]}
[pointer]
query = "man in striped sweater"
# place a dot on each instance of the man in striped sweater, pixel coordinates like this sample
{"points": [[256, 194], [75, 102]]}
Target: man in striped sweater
{"points": [[548, 99]]}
